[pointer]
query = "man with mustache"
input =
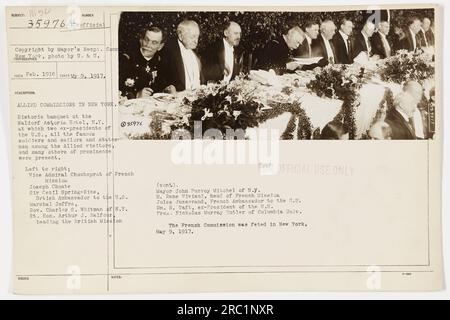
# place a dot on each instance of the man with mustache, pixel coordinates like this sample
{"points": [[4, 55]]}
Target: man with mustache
{"points": [[223, 60], [138, 71]]}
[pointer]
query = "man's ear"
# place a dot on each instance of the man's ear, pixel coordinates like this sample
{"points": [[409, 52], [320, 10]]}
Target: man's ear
{"points": [[161, 46]]}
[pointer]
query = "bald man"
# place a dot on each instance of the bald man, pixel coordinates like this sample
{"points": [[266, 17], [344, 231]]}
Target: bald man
{"points": [[180, 66], [223, 60], [278, 53]]}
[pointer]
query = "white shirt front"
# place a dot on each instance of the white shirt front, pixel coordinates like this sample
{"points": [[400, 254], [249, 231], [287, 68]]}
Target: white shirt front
{"points": [[418, 122], [308, 42], [345, 37], [366, 39], [386, 45], [191, 68], [229, 60], [413, 35], [328, 47]]}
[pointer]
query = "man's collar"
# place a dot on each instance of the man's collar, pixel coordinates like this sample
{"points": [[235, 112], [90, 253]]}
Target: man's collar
{"points": [[142, 54], [403, 114], [308, 38], [182, 47], [227, 45], [366, 37], [345, 36]]}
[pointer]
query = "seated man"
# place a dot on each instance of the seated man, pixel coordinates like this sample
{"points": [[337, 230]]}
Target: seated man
{"points": [[224, 59], [429, 34], [403, 119], [361, 41], [323, 46], [380, 42], [138, 70], [180, 65], [278, 53], [342, 43], [311, 33], [412, 40]]}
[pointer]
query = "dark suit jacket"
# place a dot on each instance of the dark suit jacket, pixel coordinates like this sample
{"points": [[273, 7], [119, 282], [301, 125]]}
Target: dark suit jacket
{"points": [[172, 67], [342, 55], [377, 45], [274, 56], [306, 51], [359, 45], [407, 43], [401, 130], [303, 50], [319, 49], [430, 37], [213, 62], [421, 36]]}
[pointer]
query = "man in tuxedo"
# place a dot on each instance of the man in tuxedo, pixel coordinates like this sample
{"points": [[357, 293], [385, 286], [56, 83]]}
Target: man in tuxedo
{"points": [[224, 59], [403, 119], [278, 53], [322, 46], [412, 41], [361, 41], [429, 34], [139, 69], [341, 42], [379, 41], [304, 50], [180, 65]]}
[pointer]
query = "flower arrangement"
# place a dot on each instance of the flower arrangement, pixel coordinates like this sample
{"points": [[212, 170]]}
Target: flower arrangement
{"points": [[337, 81], [341, 82], [223, 107], [406, 66]]}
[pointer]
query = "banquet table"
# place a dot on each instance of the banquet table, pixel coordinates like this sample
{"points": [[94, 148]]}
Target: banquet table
{"points": [[136, 116]]}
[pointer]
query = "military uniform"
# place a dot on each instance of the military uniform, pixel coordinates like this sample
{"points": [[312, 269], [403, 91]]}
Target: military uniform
{"points": [[136, 73]]}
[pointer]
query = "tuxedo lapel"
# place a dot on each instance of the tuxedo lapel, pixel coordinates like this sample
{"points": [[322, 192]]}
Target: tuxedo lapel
{"points": [[221, 54], [324, 48], [180, 65]]}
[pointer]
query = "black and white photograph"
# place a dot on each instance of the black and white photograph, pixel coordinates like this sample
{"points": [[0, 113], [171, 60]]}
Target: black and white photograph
{"points": [[336, 75]]}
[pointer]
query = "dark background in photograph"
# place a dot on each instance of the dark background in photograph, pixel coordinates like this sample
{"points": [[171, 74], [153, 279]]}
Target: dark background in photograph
{"points": [[257, 27]]}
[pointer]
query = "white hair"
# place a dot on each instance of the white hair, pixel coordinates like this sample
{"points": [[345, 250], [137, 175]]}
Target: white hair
{"points": [[186, 25]]}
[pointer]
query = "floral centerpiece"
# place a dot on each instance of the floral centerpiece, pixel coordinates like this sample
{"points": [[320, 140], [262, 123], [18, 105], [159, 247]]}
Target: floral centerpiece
{"points": [[341, 82], [406, 66], [224, 107]]}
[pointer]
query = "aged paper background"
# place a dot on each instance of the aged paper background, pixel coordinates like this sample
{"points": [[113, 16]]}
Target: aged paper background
{"points": [[386, 209]]}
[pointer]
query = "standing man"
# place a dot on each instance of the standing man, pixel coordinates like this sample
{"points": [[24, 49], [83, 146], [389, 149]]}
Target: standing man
{"points": [[361, 41], [322, 46], [180, 66], [139, 70], [379, 41], [224, 59], [278, 53], [342, 42]]}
